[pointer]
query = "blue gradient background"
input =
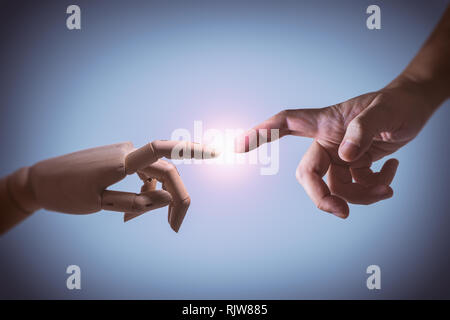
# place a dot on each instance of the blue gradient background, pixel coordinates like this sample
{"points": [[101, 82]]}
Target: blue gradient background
{"points": [[138, 70]]}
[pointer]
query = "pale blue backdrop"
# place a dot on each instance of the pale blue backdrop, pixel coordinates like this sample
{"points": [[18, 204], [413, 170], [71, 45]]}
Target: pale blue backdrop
{"points": [[140, 69]]}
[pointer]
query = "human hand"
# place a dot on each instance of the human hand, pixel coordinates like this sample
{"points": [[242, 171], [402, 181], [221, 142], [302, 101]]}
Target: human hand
{"points": [[348, 137], [77, 182]]}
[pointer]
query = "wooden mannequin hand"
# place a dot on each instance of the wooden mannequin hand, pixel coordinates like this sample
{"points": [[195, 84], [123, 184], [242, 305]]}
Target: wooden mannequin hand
{"points": [[77, 182]]}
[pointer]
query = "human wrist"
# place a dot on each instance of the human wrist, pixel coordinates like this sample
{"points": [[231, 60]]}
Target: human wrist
{"points": [[20, 191], [428, 90]]}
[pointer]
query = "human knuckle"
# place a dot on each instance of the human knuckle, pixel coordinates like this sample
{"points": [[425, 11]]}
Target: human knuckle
{"points": [[300, 174], [305, 171], [358, 124]]}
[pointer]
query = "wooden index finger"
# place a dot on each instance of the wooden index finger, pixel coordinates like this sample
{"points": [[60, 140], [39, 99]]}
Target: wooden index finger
{"points": [[151, 152]]}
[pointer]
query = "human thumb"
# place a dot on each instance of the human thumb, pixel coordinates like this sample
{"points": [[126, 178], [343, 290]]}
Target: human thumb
{"points": [[359, 135]]}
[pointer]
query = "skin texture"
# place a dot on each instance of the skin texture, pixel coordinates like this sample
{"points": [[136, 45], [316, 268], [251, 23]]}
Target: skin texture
{"points": [[78, 183], [350, 136]]}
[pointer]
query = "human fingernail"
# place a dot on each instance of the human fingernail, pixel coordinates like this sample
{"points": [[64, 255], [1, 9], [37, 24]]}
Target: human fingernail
{"points": [[349, 150]]}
